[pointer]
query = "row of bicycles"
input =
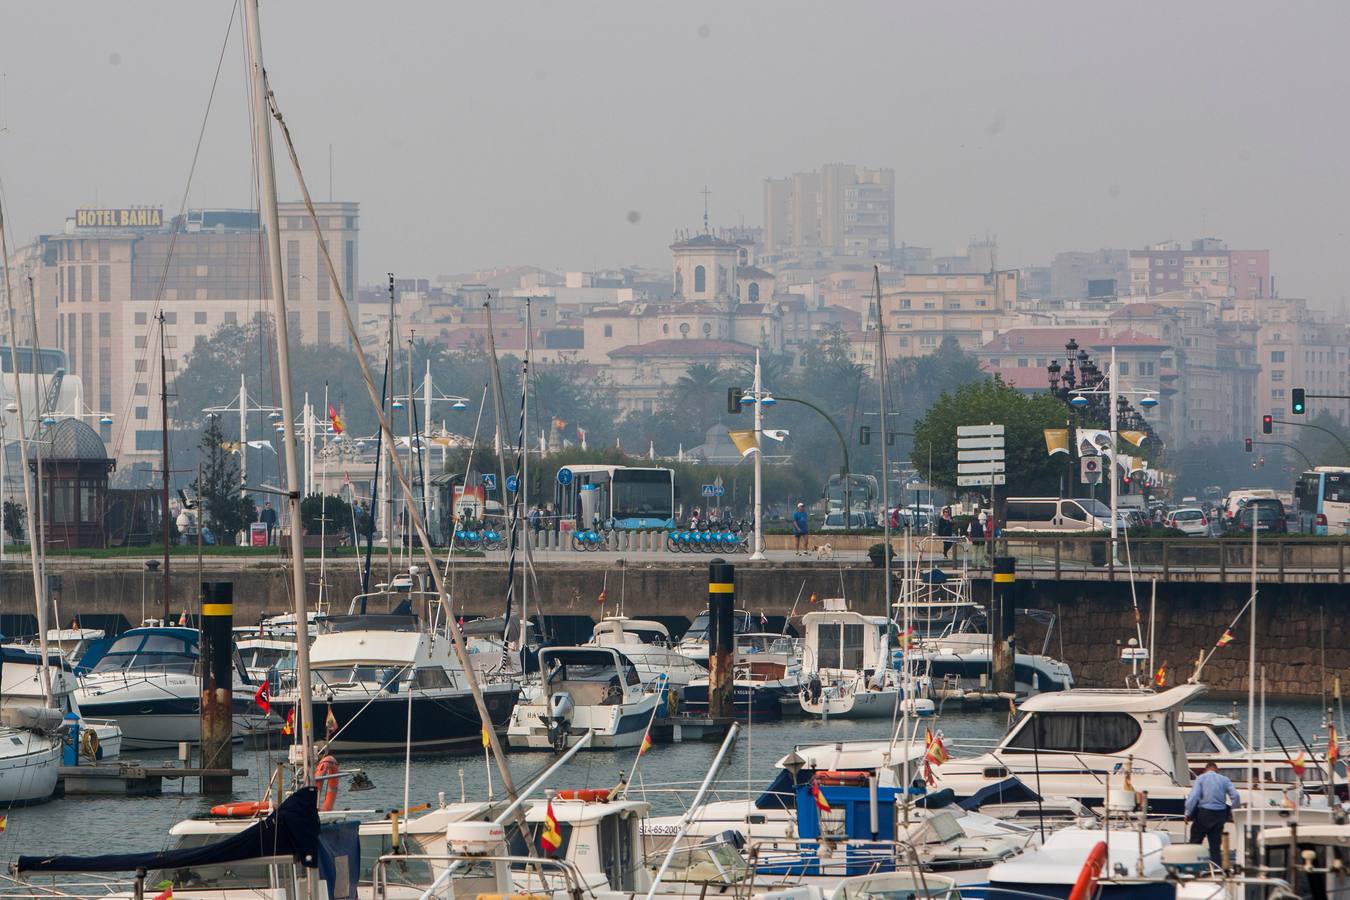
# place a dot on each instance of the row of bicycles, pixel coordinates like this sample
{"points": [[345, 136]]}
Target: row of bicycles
{"points": [[479, 536], [711, 538]]}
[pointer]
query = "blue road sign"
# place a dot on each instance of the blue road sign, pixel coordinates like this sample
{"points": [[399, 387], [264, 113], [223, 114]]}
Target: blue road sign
{"points": [[564, 476], [512, 483], [713, 490], [489, 481]]}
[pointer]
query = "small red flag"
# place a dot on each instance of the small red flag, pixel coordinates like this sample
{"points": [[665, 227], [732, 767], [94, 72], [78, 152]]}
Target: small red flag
{"points": [[335, 420], [263, 698], [821, 803], [550, 839], [288, 727]]}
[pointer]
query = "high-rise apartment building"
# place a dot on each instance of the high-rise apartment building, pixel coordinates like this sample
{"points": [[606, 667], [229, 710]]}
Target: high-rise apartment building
{"points": [[99, 285], [839, 210], [1207, 269]]}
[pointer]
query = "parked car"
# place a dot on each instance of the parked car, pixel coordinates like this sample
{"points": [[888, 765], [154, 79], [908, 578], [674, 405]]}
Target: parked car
{"points": [[1266, 512], [835, 521], [1190, 520]]}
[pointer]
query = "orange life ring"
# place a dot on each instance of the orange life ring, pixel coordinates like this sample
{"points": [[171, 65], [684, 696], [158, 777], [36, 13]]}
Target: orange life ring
{"points": [[590, 795], [855, 777], [242, 809], [328, 788], [1086, 885]]}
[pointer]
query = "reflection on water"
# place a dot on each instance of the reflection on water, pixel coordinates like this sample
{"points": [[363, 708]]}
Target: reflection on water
{"points": [[109, 825]]}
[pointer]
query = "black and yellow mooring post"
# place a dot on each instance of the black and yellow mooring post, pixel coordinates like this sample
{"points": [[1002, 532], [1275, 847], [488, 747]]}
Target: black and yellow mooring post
{"points": [[721, 639], [217, 652], [1003, 616]]}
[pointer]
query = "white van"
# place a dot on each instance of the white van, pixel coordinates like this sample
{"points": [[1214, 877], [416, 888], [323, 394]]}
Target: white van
{"points": [[1057, 514]]}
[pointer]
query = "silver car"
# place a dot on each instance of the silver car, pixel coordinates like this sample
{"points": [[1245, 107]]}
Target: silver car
{"points": [[1189, 520]]}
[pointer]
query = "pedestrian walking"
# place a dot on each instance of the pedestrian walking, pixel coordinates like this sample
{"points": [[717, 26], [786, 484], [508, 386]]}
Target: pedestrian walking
{"points": [[945, 528], [801, 527], [268, 517]]}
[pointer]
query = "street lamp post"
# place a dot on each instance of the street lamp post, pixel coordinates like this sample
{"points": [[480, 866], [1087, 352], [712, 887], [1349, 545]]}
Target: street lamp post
{"points": [[843, 445], [758, 389]]}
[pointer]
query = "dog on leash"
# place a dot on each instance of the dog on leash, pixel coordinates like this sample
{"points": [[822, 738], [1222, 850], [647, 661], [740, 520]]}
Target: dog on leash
{"points": [[825, 551]]}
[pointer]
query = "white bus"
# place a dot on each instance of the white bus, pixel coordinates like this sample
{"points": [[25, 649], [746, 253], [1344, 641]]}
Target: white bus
{"points": [[622, 496], [1323, 499]]}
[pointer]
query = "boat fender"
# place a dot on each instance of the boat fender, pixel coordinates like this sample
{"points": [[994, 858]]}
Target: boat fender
{"points": [[89, 744], [328, 788], [1085, 888], [589, 795], [672, 702], [855, 777], [242, 809]]}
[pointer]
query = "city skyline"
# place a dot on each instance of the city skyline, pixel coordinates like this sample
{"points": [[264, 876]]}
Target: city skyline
{"points": [[548, 162]]}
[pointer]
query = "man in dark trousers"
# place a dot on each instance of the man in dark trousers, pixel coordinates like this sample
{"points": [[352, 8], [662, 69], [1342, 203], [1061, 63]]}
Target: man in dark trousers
{"points": [[1207, 809], [269, 518]]}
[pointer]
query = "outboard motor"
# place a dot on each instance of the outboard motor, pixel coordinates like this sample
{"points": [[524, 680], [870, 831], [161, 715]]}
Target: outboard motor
{"points": [[560, 709]]}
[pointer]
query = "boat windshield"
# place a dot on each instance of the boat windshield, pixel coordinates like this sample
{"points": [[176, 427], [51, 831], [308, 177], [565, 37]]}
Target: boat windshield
{"points": [[715, 864], [1230, 739], [373, 678], [742, 622], [894, 886], [160, 652], [259, 658], [249, 874]]}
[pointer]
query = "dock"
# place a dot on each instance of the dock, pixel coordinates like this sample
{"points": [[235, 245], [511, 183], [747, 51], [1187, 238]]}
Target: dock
{"points": [[129, 779]]}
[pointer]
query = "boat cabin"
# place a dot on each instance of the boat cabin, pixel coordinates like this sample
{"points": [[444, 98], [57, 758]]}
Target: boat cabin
{"points": [[843, 641], [617, 631], [602, 840], [592, 676]]}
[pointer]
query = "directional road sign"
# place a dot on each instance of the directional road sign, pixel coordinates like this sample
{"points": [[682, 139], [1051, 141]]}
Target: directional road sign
{"points": [[980, 480], [979, 455], [984, 431]]}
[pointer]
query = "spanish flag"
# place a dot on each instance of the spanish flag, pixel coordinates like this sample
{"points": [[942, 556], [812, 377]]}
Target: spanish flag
{"points": [[1225, 639], [813, 597], [646, 743], [4, 823], [821, 803], [486, 740], [330, 724], [550, 839], [335, 420], [1333, 749], [288, 727], [166, 894], [937, 751], [1299, 763], [1160, 676], [604, 595]]}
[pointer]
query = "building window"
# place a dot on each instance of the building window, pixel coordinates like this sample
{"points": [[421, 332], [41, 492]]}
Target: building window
{"points": [[86, 283], [349, 269], [700, 279], [171, 318], [104, 282], [325, 328], [142, 412], [140, 342], [231, 318], [292, 267], [1277, 356], [141, 389], [1124, 368], [1277, 375], [105, 325], [707, 328], [609, 331], [684, 328], [754, 292], [140, 365], [199, 318]]}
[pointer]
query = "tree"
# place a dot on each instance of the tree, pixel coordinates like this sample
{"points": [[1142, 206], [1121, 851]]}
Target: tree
{"points": [[316, 507], [227, 509], [13, 518], [1030, 470]]}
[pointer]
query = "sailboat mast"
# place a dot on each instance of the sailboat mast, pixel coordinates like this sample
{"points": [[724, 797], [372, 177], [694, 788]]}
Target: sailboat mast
{"points": [[885, 440], [520, 517], [32, 515], [271, 221], [164, 462], [392, 450]]}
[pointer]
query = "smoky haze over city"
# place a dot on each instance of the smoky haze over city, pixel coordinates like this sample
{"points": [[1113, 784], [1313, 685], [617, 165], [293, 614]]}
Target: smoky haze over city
{"points": [[478, 135]]}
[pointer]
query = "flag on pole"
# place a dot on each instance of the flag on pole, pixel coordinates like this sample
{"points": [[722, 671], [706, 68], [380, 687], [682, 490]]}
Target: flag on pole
{"points": [[288, 727], [263, 697], [937, 751], [550, 839], [1012, 706], [1333, 749], [604, 595], [1160, 676], [166, 894], [4, 823], [763, 619], [335, 420], [1225, 639], [745, 441], [330, 724], [1299, 763], [821, 803], [486, 739], [646, 742], [813, 597]]}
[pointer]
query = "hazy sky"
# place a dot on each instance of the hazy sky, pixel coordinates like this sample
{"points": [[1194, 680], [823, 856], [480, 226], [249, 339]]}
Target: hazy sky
{"points": [[481, 134]]}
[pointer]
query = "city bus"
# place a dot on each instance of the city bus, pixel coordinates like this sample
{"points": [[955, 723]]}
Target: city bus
{"points": [[1323, 499], [622, 496]]}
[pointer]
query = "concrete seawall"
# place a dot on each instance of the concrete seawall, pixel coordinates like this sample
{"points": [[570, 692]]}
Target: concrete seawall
{"points": [[1297, 623]]}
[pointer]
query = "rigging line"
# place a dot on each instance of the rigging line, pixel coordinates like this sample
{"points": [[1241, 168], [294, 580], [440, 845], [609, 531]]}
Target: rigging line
{"points": [[449, 571], [124, 417]]}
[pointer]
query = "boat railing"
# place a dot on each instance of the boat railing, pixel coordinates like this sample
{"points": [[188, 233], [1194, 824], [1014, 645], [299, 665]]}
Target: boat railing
{"points": [[836, 856], [547, 870]]}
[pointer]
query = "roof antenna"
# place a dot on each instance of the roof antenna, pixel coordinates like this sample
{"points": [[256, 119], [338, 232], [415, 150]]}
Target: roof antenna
{"points": [[705, 193]]}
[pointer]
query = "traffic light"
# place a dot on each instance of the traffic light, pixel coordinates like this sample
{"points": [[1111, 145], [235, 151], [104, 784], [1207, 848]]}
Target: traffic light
{"points": [[1248, 441], [865, 435], [1267, 424], [1300, 401], [734, 395]]}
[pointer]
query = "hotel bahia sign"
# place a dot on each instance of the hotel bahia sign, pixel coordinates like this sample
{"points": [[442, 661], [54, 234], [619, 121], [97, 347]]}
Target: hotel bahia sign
{"points": [[130, 217]]}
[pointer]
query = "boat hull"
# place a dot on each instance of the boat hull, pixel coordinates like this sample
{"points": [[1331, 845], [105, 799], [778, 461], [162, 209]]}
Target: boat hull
{"points": [[155, 714], [29, 773], [441, 720], [755, 701]]}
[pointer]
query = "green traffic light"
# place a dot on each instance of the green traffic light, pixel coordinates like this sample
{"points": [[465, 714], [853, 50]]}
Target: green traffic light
{"points": [[1299, 401]]}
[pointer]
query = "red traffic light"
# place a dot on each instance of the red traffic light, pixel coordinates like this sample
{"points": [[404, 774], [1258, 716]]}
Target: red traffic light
{"points": [[1267, 424], [1248, 442]]}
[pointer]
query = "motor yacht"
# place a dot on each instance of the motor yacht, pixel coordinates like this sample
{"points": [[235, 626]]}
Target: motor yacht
{"points": [[585, 688]]}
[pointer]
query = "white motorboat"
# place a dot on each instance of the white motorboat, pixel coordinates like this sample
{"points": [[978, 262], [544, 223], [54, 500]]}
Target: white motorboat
{"points": [[648, 646], [766, 674], [372, 671], [949, 640], [147, 681], [584, 688], [846, 671], [21, 689]]}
